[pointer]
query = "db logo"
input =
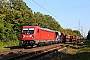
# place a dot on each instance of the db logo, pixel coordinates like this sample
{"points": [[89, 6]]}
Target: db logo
{"points": [[26, 36]]}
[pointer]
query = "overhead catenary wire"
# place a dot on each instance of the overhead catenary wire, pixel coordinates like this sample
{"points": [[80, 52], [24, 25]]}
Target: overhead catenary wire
{"points": [[53, 9], [50, 12], [55, 12], [43, 7]]}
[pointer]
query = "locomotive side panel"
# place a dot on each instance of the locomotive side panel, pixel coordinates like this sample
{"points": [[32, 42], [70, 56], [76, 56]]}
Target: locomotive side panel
{"points": [[47, 35]]}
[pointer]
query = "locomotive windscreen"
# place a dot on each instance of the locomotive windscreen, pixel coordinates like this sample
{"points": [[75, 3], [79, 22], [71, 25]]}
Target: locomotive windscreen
{"points": [[28, 31]]}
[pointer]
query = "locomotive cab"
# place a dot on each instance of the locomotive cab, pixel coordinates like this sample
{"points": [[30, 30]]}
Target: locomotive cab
{"points": [[27, 36], [28, 32]]}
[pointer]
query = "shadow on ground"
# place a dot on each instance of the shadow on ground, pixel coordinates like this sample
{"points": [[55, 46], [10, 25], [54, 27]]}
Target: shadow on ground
{"points": [[14, 47], [64, 56]]}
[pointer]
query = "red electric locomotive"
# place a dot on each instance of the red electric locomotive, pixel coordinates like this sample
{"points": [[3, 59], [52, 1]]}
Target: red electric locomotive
{"points": [[35, 35]]}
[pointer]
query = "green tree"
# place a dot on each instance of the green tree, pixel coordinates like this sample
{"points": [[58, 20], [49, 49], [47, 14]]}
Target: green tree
{"points": [[46, 21], [77, 32], [18, 5], [88, 36], [1, 28]]}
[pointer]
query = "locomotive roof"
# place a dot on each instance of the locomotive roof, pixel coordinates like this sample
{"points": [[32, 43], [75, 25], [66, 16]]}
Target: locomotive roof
{"points": [[39, 28], [47, 29], [30, 26]]}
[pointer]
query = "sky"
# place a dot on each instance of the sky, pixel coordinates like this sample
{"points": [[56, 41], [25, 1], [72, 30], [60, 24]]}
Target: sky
{"points": [[73, 14]]}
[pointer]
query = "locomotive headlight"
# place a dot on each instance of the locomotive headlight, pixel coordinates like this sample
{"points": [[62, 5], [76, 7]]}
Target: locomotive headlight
{"points": [[31, 36]]}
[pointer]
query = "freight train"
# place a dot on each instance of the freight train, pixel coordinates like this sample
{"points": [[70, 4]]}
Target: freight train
{"points": [[35, 35]]}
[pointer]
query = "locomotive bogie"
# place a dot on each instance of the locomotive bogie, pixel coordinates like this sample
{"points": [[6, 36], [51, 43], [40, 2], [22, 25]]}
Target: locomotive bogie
{"points": [[37, 42]]}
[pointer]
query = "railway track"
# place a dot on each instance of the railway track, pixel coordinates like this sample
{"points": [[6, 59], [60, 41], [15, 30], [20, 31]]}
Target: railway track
{"points": [[25, 54]]}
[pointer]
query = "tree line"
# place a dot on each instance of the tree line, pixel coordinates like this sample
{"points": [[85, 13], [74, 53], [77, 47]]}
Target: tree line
{"points": [[15, 13], [88, 36]]}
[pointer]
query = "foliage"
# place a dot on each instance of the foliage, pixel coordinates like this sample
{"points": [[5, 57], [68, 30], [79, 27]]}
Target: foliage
{"points": [[77, 32], [72, 32], [5, 44], [1, 29], [88, 36], [84, 52]]}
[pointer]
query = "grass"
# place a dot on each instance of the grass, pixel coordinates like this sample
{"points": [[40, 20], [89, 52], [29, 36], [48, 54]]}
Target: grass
{"points": [[84, 53], [71, 54], [71, 51], [4, 44], [85, 47]]}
